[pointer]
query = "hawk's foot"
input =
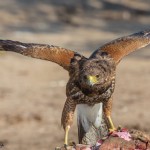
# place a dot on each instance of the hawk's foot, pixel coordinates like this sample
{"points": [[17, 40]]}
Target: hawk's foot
{"points": [[112, 130], [67, 147], [57, 148], [72, 143], [118, 129]]}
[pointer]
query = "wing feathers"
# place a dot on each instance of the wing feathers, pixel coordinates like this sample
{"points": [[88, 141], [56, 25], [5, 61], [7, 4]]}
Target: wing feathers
{"points": [[52, 53], [121, 47]]}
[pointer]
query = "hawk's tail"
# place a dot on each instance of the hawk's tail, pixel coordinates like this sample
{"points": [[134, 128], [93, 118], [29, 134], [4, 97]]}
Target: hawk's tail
{"points": [[52, 53], [81, 131]]}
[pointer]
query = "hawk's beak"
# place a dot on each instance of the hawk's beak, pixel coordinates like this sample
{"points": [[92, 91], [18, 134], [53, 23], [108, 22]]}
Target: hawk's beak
{"points": [[92, 80]]}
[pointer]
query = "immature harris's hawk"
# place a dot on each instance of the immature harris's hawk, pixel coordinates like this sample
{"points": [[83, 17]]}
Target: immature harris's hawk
{"points": [[92, 80]]}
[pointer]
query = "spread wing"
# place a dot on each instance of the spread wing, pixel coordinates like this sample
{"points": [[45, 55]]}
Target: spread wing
{"points": [[52, 53], [121, 47]]}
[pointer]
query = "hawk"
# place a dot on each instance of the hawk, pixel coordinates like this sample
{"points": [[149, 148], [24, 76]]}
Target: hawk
{"points": [[92, 80]]}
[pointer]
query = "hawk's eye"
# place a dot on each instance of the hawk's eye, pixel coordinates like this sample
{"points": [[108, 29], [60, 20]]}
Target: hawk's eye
{"points": [[97, 76]]}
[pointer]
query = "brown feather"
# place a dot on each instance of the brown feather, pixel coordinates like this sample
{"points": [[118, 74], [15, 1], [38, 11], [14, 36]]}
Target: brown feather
{"points": [[68, 113], [79, 90], [121, 47], [52, 53]]}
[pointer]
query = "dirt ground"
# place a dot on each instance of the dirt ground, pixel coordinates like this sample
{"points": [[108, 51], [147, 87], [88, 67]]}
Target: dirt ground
{"points": [[32, 92]]}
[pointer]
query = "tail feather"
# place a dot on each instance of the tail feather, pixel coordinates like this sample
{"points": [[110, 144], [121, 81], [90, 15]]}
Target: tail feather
{"points": [[90, 137], [81, 132]]}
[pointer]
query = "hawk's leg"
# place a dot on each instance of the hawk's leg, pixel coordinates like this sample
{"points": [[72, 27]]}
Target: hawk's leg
{"points": [[107, 111], [66, 135], [112, 127], [67, 117]]}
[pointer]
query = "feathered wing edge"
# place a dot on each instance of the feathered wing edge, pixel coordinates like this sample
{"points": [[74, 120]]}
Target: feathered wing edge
{"points": [[52, 53], [121, 47]]}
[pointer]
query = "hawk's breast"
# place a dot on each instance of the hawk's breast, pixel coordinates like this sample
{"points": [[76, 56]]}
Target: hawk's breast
{"points": [[89, 115]]}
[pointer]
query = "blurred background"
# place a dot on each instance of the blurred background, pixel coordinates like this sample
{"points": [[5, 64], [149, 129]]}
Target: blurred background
{"points": [[32, 92]]}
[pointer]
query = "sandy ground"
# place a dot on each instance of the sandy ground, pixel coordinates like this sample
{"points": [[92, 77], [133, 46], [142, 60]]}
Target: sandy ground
{"points": [[32, 92]]}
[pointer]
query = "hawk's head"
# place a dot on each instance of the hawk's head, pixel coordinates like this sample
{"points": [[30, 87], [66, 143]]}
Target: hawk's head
{"points": [[96, 75]]}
